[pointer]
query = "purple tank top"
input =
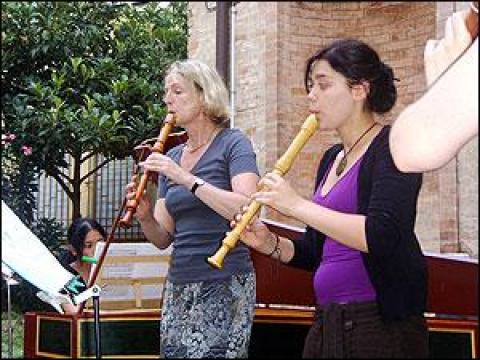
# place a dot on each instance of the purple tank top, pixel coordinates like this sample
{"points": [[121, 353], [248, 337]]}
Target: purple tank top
{"points": [[341, 276]]}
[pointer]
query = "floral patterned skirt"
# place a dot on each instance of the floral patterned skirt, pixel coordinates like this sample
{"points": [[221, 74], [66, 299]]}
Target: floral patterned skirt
{"points": [[208, 319]]}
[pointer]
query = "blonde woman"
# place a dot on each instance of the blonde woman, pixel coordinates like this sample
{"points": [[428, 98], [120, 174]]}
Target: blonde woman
{"points": [[206, 312]]}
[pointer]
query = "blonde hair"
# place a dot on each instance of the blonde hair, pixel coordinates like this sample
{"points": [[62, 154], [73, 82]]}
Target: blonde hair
{"points": [[209, 85]]}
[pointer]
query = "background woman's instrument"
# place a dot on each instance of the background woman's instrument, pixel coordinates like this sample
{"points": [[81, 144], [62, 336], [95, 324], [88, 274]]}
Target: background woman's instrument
{"points": [[281, 167]]}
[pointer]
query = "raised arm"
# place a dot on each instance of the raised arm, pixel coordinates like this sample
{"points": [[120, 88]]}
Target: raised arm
{"points": [[431, 131]]}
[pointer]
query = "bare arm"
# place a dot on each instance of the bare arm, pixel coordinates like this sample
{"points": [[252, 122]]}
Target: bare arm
{"points": [[431, 131], [228, 203], [224, 202], [158, 228], [348, 229], [70, 308]]}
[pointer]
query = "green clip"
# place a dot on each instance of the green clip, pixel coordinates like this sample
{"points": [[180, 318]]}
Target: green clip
{"points": [[89, 259]]}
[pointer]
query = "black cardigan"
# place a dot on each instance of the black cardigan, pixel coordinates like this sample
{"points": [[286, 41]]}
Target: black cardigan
{"points": [[388, 199]]}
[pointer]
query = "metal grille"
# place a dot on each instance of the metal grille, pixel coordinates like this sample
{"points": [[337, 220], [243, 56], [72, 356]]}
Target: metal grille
{"points": [[52, 202], [111, 181]]}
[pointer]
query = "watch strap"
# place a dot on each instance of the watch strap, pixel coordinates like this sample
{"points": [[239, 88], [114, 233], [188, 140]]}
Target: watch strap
{"points": [[196, 184]]}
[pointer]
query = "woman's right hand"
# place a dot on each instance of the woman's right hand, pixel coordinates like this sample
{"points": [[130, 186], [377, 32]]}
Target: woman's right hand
{"points": [[255, 235], [144, 208]]}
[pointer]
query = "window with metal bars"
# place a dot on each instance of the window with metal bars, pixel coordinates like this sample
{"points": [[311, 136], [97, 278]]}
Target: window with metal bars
{"points": [[110, 192], [53, 202], [109, 188]]}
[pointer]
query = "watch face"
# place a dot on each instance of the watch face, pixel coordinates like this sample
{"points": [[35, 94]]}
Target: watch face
{"points": [[200, 182]]}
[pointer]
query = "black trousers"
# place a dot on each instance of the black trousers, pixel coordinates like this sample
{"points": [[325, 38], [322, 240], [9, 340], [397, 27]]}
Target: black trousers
{"points": [[356, 330]]}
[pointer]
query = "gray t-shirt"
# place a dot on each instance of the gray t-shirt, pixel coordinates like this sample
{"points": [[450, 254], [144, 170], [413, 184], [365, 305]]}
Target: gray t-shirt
{"points": [[199, 230]]}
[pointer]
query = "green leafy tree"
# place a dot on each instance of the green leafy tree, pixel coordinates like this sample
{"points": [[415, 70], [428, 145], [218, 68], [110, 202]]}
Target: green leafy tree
{"points": [[81, 79]]}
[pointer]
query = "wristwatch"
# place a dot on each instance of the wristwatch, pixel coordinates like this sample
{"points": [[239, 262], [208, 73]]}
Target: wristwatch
{"points": [[198, 182]]}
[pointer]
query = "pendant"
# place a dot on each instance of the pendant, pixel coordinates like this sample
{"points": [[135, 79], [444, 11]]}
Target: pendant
{"points": [[341, 166]]}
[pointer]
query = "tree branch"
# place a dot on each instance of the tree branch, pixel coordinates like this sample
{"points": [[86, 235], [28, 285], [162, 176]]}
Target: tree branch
{"points": [[65, 176], [87, 157], [62, 183], [96, 168]]}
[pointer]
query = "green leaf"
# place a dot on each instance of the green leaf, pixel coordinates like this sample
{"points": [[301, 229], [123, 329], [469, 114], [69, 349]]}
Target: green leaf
{"points": [[103, 120], [75, 63], [115, 115], [58, 102]]}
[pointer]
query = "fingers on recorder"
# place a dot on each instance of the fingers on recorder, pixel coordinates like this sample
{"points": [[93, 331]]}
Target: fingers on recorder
{"points": [[131, 189], [237, 217]]}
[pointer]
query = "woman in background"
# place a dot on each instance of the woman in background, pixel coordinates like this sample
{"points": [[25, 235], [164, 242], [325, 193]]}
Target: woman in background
{"points": [[83, 235]]}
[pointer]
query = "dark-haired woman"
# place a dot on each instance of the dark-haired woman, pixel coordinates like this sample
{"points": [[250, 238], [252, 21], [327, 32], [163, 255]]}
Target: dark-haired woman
{"points": [[83, 235], [370, 275]]}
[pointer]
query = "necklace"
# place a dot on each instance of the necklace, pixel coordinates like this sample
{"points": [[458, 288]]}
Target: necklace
{"points": [[343, 163], [191, 149]]}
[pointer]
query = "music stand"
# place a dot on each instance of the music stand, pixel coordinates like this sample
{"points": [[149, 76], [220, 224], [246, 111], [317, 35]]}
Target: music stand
{"points": [[96, 313], [8, 275], [94, 292]]}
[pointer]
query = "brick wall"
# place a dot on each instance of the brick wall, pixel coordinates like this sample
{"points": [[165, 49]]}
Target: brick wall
{"points": [[466, 166], [201, 23], [273, 41]]}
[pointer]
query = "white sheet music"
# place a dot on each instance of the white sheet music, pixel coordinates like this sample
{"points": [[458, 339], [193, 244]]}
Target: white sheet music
{"points": [[25, 254]]}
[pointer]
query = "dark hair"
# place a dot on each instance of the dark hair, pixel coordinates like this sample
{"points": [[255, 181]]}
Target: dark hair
{"points": [[358, 62], [78, 230]]}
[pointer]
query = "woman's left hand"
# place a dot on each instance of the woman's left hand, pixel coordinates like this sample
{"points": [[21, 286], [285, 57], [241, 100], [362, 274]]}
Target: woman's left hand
{"points": [[166, 166], [277, 193]]}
